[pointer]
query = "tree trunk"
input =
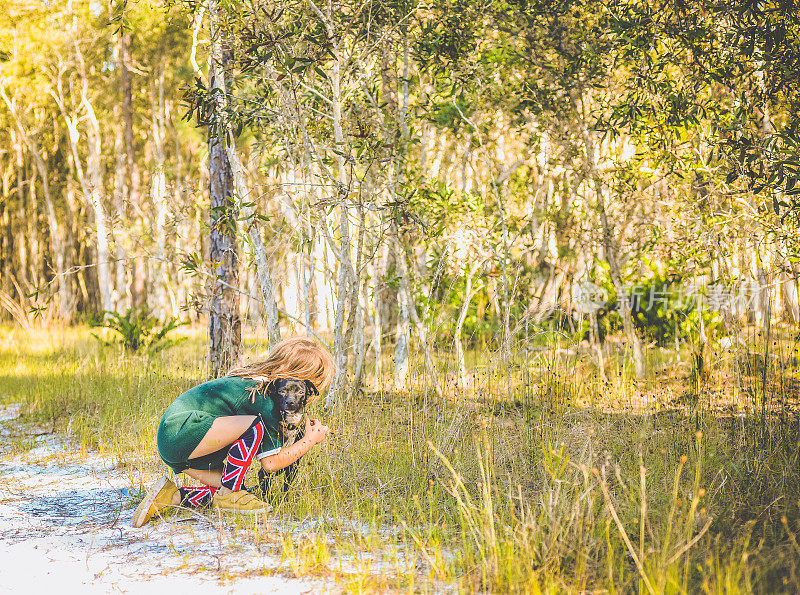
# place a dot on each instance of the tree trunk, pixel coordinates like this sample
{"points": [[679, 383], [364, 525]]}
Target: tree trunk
{"points": [[133, 177], [310, 290], [613, 262], [224, 323], [263, 268], [30, 215], [158, 190], [791, 304], [402, 333], [359, 351], [20, 248], [405, 290], [95, 185], [598, 345], [378, 271], [307, 263], [345, 277], [763, 297], [120, 190], [469, 291], [6, 232]]}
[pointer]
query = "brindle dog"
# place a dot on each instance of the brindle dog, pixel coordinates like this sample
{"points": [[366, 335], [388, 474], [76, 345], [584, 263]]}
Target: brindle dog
{"points": [[290, 397]]}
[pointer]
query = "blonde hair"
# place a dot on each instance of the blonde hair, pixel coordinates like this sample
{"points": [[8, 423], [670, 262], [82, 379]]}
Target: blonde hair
{"points": [[297, 358]]}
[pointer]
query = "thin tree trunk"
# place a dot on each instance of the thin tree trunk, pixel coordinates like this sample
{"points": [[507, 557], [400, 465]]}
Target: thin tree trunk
{"points": [[301, 265], [763, 292], [263, 268], [359, 350], [469, 292], [31, 212], [465, 161], [158, 190], [346, 278], [595, 335], [613, 262], [402, 321], [402, 339], [307, 263], [19, 246], [791, 303], [377, 326], [6, 232], [405, 299], [224, 323], [120, 189], [133, 177], [95, 182], [405, 289]]}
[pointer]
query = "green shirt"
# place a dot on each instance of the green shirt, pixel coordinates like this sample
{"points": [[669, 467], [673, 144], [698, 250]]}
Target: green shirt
{"points": [[186, 421]]}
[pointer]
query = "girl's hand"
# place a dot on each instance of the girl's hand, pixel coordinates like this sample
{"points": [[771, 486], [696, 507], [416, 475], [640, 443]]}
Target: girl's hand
{"points": [[315, 431]]}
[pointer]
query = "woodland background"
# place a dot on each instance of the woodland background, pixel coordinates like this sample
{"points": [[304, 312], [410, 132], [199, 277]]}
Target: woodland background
{"points": [[455, 167]]}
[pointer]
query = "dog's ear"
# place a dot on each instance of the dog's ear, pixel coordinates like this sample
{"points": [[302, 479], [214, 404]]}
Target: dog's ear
{"points": [[311, 389], [272, 389]]}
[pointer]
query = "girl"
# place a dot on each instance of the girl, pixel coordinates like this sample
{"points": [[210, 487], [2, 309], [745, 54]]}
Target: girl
{"points": [[214, 431]]}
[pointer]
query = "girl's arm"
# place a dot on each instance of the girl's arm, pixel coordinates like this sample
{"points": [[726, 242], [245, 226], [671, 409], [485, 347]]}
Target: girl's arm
{"points": [[315, 433]]}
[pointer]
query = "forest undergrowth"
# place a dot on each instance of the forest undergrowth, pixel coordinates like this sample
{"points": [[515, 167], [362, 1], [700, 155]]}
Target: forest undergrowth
{"points": [[537, 476]]}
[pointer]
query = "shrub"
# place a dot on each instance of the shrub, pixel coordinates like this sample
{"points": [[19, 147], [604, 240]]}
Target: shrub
{"points": [[138, 330]]}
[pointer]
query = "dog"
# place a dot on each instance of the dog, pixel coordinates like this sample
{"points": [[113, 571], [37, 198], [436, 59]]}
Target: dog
{"points": [[290, 398]]}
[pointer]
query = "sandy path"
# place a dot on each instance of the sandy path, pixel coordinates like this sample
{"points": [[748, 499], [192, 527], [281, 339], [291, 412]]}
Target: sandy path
{"points": [[65, 528]]}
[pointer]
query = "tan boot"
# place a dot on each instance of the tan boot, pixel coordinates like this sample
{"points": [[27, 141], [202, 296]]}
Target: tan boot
{"points": [[241, 501], [158, 497]]}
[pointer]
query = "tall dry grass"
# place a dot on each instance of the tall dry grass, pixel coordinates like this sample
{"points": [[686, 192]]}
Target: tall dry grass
{"points": [[539, 476]]}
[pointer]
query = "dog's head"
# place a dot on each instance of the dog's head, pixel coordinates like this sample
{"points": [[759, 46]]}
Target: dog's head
{"points": [[291, 396]]}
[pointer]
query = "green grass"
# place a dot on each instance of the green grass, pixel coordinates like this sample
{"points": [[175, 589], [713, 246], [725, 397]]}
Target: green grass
{"points": [[561, 482]]}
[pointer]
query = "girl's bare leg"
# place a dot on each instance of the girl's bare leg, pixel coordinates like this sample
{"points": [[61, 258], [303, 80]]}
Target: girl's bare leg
{"points": [[223, 432], [209, 478]]}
